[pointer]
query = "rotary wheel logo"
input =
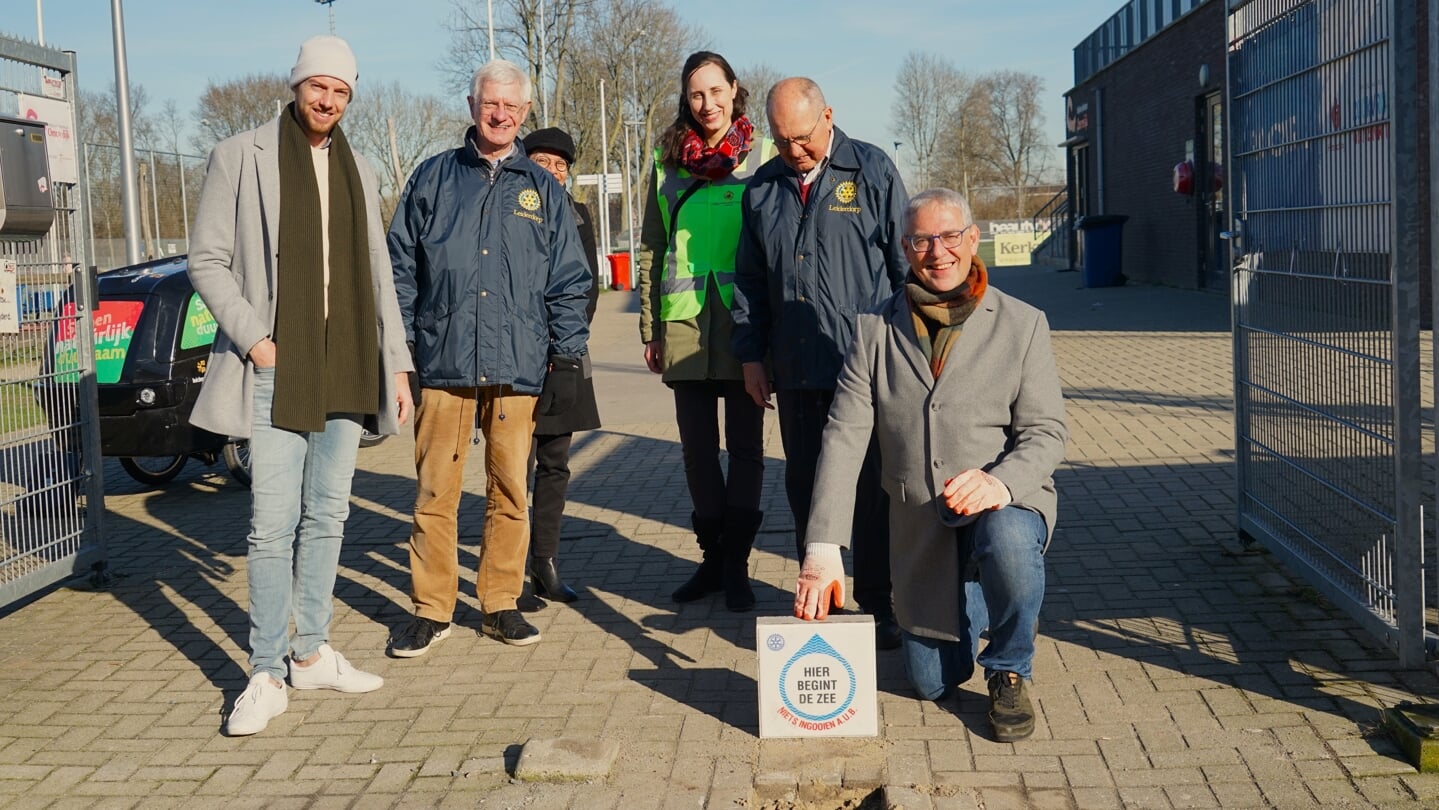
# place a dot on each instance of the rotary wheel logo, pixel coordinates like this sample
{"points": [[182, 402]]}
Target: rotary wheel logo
{"points": [[846, 192], [530, 200]]}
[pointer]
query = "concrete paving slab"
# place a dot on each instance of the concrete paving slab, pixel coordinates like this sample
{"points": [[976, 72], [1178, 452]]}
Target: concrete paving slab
{"points": [[566, 758]]}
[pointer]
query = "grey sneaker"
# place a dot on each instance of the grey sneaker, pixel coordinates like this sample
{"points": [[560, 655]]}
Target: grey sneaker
{"points": [[261, 702], [1010, 711]]}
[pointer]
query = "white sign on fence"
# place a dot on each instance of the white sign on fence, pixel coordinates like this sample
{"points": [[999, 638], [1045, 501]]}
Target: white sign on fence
{"points": [[52, 86], [817, 679], [612, 183], [59, 137], [9, 298]]}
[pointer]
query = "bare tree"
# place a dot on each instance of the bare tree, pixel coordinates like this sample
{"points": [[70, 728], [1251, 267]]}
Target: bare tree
{"points": [[544, 45], [99, 133], [231, 107], [930, 94], [1014, 124], [958, 156], [635, 47], [758, 79], [98, 122], [171, 124], [424, 125]]}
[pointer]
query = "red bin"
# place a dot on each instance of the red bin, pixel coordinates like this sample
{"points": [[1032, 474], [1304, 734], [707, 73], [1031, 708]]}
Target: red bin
{"points": [[620, 271]]}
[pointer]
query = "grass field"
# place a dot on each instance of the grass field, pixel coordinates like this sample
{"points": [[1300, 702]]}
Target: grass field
{"points": [[18, 409], [19, 363]]}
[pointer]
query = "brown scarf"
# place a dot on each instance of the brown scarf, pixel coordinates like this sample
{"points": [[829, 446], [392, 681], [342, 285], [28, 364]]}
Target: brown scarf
{"points": [[323, 365], [939, 317]]}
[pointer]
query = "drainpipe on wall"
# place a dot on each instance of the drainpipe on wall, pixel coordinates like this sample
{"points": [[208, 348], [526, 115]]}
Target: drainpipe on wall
{"points": [[1099, 151]]}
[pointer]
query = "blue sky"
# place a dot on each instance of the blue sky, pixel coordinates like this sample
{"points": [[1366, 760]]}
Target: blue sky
{"points": [[851, 47]]}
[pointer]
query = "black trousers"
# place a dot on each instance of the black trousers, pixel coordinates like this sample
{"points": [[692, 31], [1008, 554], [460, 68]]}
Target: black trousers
{"points": [[552, 481], [802, 417], [697, 415]]}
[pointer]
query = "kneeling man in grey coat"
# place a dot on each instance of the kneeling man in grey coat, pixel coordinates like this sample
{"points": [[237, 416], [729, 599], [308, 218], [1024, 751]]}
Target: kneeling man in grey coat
{"points": [[958, 382]]}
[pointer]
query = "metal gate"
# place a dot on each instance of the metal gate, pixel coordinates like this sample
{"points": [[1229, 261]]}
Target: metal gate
{"points": [[1324, 180], [50, 465]]}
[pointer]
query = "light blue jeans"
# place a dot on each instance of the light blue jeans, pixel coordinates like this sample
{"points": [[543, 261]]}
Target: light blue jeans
{"points": [[1007, 547], [299, 499]]}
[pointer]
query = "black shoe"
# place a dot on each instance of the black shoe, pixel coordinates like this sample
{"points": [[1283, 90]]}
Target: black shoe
{"points": [[527, 602], [547, 581], [738, 595], [510, 627], [1010, 711], [707, 579], [418, 637], [886, 633]]}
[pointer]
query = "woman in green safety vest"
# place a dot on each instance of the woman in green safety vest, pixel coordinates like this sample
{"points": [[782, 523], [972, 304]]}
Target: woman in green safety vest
{"points": [[686, 281]]}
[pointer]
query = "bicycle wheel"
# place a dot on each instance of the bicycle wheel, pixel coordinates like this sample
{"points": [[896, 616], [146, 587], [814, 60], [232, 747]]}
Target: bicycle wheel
{"points": [[237, 461]]}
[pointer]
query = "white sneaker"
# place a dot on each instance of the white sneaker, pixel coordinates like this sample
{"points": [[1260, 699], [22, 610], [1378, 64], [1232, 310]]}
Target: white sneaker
{"points": [[332, 671], [260, 703]]}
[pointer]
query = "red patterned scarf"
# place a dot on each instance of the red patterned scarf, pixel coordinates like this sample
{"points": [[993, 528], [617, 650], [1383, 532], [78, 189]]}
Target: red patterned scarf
{"points": [[715, 162]]}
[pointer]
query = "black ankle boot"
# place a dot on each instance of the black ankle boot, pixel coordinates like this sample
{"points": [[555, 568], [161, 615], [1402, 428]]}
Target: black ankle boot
{"points": [[527, 602], [547, 581], [741, 525], [709, 577]]}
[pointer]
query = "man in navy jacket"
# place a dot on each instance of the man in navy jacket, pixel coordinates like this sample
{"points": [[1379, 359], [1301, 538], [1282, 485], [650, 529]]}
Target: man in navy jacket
{"points": [[492, 283], [819, 245]]}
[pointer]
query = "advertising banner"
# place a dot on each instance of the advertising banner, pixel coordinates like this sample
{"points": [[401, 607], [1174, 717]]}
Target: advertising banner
{"points": [[59, 137], [114, 329]]}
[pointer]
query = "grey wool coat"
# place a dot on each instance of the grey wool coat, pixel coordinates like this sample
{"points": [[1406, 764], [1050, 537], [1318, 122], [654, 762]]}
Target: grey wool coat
{"points": [[996, 406], [233, 256]]}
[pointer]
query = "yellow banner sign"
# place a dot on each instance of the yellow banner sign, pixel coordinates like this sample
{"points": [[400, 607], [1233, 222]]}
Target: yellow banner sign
{"points": [[1013, 249]]}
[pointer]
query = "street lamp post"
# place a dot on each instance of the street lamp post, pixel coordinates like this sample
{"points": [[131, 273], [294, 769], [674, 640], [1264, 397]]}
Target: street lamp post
{"points": [[633, 177], [544, 91], [129, 203], [329, 6]]}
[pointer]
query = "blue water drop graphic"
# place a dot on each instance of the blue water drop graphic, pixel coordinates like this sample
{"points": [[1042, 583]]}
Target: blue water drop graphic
{"points": [[819, 647]]}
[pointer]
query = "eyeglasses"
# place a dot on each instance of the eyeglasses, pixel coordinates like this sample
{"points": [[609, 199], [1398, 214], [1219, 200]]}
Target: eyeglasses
{"points": [[922, 242], [550, 162], [492, 106], [800, 140]]}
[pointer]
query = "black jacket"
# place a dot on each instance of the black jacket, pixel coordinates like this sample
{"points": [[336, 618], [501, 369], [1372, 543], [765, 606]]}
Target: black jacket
{"points": [[585, 413], [804, 272]]}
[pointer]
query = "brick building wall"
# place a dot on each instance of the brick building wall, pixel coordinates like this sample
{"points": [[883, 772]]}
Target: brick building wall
{"points": [[1142, 111]]}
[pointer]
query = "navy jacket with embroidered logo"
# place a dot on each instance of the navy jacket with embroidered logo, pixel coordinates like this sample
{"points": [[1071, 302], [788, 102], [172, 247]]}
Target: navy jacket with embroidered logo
{"points": [[804, 272], [490, 274]]}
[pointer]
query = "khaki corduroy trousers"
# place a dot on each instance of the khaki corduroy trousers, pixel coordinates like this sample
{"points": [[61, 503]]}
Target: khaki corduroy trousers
{"points": [[443, 425]]}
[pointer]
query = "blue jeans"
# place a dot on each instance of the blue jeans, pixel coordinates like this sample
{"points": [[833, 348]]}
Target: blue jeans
{"points": [[299, 499], [1007, 549]]}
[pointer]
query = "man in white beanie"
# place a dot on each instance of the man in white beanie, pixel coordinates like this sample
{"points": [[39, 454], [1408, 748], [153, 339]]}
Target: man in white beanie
{"points": [[289, 254]]}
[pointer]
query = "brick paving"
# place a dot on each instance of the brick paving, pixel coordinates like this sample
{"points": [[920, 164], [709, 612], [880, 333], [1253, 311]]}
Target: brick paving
{"points": [[1175, 668]]}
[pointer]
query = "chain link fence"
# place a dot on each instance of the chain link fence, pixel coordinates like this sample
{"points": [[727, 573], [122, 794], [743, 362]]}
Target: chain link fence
{"points": [[169, 189]]}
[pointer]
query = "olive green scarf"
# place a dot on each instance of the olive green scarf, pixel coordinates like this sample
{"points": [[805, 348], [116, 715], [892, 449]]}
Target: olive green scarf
{"points": [[324, 365]]}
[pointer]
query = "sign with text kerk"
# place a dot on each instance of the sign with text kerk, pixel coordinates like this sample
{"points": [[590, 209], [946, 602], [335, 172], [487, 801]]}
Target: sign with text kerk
{"points": [[817, 679]]}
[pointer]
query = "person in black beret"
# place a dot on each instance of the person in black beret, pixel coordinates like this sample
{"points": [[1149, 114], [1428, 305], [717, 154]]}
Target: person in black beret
{"points": [[554, 150]]}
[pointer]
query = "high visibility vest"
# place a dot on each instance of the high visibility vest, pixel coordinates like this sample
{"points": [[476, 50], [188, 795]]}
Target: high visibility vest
{"points": [[703, 239]]}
